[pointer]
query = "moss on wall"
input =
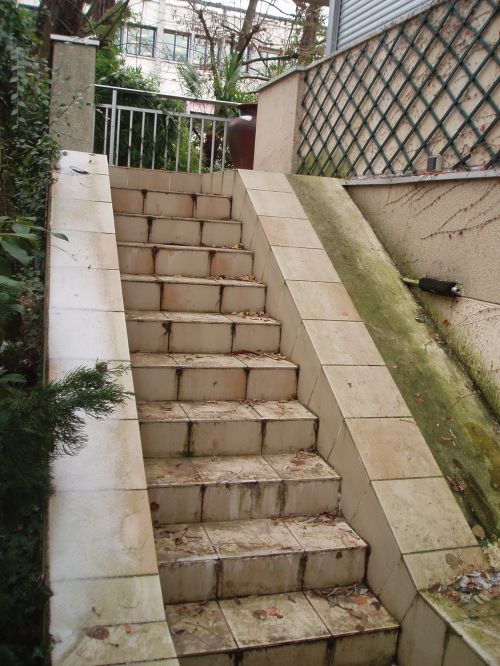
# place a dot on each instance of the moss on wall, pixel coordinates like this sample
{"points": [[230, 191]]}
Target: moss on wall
{"points": [[456, 423]]}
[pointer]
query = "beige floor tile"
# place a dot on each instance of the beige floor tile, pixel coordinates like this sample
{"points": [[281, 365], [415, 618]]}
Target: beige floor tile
{"points": [[426, 569], [235, 263], [289, 427], [310, 496], [392, 448], [323, 300], [423, 636], [214, 208], [131, 228], [219, 410], [255, 334], [212, 183], [305, 356], [189, 295], [238, 538], [182, 261], [110, 460], [70, 161], [176, 503], [376, 648], [127, 201], [164, 429], [291, 321], [365, 391], [277, 204], [371, 523], [249, 221], [90, 187], [155, 383], [81, 288], [115, 600], [298, 622], [305, 264], [228, 179], [272, 383], [398, 592], [93, 334], [226, 438], [437, 524], [77, 215], [212, 632], [211, 383], [174, 231], [233, 469], [150, 179], [457, 652], [140, 294], [239, 195], [168, 204], [84, 249], [301, 465], [212, 337], [274, 281], [142, 641], [110, 535], [189, 581], [220, 233], [242, 296], [148, 336], [136, 259], [268, 182], [186, 182], [289, 654], [181, 542], [290, 232], [118, 176]]}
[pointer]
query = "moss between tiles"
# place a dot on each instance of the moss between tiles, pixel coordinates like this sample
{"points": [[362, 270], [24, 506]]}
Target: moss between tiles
{"points": [[456, 423]]}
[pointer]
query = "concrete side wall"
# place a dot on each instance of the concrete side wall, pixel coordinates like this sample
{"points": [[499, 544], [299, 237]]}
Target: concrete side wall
{"points": [[448, 230], [72, 105], [278, 122]]}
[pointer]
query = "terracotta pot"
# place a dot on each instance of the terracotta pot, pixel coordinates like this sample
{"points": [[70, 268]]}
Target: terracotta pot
{"points": [[241, 136]]}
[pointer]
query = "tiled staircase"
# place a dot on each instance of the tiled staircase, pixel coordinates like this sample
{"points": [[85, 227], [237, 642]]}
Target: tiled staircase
{"points": [[256, 565]]}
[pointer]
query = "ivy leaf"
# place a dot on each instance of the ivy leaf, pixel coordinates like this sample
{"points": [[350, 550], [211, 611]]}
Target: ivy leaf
{"points": [[61, 236], [13, 247]]}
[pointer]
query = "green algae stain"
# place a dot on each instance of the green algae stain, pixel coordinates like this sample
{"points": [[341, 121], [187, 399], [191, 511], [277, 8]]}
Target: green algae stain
{"points": [[456, 423]]}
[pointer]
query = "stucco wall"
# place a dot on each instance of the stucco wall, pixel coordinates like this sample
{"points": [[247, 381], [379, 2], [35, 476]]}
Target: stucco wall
{"points": [[448, 230]]}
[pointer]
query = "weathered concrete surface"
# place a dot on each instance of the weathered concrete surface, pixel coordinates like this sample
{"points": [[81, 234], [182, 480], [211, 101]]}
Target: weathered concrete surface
{"points": [[455, 422]]}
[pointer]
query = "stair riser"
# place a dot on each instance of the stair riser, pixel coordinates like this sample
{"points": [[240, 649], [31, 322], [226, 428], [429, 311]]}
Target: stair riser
{"points": [[199, 262], [370, 649], [226, 438], [141, 229], [212, 338], [195, 383], [241, 501], [266, 574], [170, 204], [177, 297]]}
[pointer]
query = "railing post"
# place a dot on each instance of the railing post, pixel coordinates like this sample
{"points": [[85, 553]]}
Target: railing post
{"points": [[112, 132]]}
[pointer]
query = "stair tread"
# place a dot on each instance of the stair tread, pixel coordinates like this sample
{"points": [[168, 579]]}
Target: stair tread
{"points": [[184, 279], [227, 410], [310, 618], [223, 470], [180, 248], [245, 538], [248, 360], [244, 318]]}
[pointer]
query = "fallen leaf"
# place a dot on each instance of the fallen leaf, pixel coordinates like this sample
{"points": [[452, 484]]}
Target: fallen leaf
{"points": [[478, 531], [100, 633], [452, 561], [361, 601], [359, 627], [154, 506], [446, 439], [94, 610], [446, 322], [128, 628], [260, 614], [275, 612]]}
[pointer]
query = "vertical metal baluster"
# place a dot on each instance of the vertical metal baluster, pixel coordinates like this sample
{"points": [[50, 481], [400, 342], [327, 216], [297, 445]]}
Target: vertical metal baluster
{"points": [[224, 146], [106, 121], [165, 153], [130, 137], [154, 140], [142, 138], [118, 125], [212, 152], [114, 97], [179, 121], [202, 137], [190, 132]]}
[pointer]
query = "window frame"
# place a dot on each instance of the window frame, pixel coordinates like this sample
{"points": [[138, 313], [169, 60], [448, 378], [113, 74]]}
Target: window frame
{"points": [[125, 41], [175, 57]]}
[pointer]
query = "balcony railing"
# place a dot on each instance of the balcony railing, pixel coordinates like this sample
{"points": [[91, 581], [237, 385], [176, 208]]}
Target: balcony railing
{"points": [[165, 134]]}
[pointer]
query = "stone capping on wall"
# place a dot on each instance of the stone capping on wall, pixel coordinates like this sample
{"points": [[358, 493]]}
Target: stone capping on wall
{"points": [[101, 556], [393, 493]]}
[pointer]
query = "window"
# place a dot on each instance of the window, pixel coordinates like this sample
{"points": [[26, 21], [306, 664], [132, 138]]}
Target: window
{"points": [[175, 46], [201, 51], [139, 41]]}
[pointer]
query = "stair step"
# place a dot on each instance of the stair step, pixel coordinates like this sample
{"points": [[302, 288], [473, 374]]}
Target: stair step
{"points": [[170, 204], [225, 428], [199, 377], [187, 294], [177, 230], [207, 333], [220, 560], [194, 261], [207, 489], [291, 629]]}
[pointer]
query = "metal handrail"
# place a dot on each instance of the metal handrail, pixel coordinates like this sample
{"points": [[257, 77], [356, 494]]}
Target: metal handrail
{"points": [[201, 137]]}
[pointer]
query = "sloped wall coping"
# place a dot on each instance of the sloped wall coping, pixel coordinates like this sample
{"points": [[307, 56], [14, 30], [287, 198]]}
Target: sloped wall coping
{"points": [[393, 492], [101, 556]]}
